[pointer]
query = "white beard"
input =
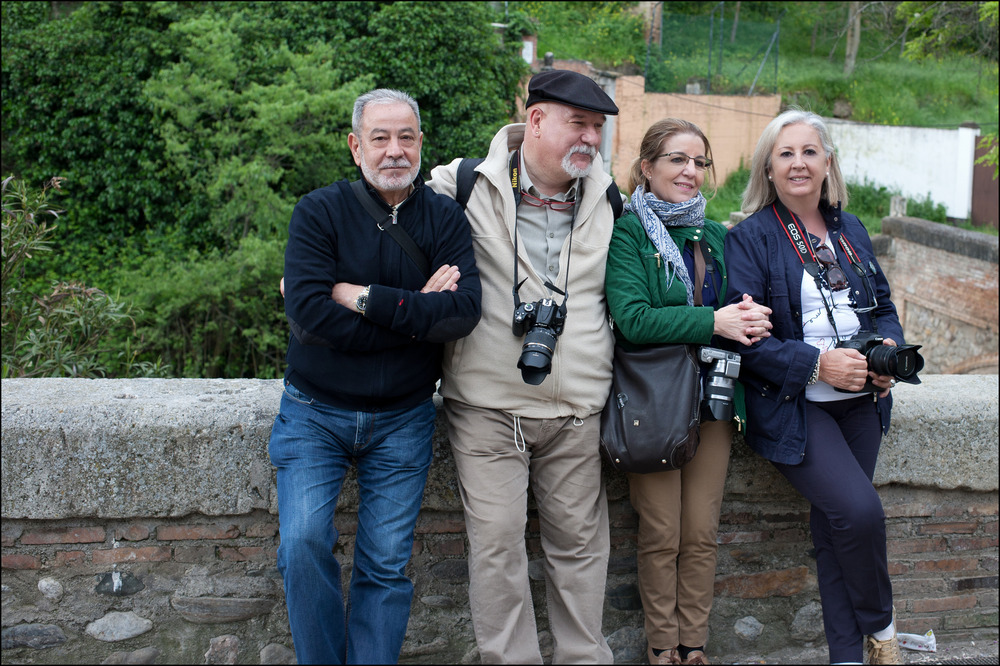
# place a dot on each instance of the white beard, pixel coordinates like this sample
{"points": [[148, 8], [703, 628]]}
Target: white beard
{"points": [[387, 183], [573, 170]]}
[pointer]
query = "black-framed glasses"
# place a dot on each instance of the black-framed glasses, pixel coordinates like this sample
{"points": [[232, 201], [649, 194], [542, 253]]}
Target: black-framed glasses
{"points": [[831, 272], [679, 159], [532, 200]]}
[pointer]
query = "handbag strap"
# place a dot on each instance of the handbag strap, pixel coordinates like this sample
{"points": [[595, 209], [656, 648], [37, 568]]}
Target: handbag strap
{"points": [[395, 231], [699, 272]]}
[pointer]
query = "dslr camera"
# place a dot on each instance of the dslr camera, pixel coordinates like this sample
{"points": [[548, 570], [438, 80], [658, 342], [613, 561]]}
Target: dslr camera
{"points": [[902, 363], [719, 384], [543, 320]]}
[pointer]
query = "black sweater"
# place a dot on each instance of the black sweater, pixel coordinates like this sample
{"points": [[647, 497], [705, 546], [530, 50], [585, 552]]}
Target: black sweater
{"points": [[391, 357]]}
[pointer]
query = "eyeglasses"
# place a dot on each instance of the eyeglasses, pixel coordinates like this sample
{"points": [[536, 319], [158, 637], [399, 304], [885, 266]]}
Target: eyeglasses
{"points": [[551, 203], [680, 159], [832, 272]]}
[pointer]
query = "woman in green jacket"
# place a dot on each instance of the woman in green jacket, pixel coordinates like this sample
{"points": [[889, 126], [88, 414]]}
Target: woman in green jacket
{"points": [[651, 296]]}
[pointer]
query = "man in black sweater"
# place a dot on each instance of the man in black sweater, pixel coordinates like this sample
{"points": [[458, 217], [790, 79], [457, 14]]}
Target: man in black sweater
{"points": [[368, 322]]}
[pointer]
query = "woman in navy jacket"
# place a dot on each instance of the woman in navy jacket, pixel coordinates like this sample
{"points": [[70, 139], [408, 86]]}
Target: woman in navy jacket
{"points": [[813, 408]]}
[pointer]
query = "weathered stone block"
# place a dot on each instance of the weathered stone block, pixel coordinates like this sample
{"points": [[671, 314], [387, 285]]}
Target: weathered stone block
{"points": [[215, 610], [32, 635], [116, 626]]}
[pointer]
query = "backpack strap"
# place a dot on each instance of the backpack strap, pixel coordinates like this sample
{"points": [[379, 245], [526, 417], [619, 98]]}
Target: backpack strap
{"points": [[615, 199], [466, 179]]}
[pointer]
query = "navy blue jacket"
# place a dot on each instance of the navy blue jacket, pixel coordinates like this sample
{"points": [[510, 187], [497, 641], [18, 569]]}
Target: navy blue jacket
{"points": [[390, 358], [775, 370]]}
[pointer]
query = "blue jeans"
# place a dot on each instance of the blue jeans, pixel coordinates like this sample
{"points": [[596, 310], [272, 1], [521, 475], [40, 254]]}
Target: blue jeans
{"points": [[312, 445]]}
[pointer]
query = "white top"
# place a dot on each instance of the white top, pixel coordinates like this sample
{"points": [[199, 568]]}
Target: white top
{"points": [[818, 332]]}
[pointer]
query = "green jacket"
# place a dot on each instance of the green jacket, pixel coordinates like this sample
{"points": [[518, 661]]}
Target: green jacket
{"points": [[644, 311]]}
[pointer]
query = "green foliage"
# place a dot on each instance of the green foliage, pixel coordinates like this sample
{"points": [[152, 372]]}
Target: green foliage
{"points": [[463, 100], [728, 196], [870, 203], [884, 89], [249, 126], [189, 130], [73, 104], [217, 314], [75, 330], [609, 34], [945, 28]]}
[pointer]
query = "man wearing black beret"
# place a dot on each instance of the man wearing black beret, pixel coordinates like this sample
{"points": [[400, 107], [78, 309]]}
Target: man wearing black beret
{"points": [[524, 391]]}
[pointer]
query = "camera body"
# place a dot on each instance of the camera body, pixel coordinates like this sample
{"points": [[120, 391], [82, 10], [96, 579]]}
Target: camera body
{"points": [[902, 362], [719, 385], [541, 323]]}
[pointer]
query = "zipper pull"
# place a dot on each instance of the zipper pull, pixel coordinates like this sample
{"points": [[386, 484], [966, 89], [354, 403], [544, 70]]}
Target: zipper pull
{"points": [[394, 211], [658, 264]]}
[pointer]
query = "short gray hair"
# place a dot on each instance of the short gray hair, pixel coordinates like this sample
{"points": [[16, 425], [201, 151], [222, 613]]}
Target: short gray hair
{"points": [[381, 96], [760, 191]]}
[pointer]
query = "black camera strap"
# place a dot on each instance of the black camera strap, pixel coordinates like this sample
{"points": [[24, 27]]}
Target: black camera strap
{"points": [[387, 222], [515, 184], [798, 237]]}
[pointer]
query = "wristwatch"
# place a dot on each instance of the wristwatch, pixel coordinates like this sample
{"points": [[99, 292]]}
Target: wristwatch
{"points": [[362, 302]]}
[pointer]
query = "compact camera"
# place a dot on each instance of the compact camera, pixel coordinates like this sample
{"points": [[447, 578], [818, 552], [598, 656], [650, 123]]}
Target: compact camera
{"points": [[719, 384], [902, 363], [543, 320]]}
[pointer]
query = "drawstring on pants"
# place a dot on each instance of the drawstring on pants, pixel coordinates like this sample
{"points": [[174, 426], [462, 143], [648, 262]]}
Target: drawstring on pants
{"points": [[519, 440], [517, 431]]}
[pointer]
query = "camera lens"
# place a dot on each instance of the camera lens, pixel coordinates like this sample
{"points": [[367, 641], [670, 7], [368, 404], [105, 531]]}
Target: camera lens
{"points": [[893, 361], [536, 355]]}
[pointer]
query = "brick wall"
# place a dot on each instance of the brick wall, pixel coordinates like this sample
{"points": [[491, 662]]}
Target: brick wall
{"points": [[942, 555], [945, 286], [150, 533]]}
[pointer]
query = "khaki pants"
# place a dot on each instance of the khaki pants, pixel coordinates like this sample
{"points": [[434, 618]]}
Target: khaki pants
{"points": [[678, 523], [562, 462]]}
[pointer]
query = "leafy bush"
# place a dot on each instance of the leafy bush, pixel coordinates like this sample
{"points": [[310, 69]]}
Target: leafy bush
{"points": [[72, 331], [216, 314], [189, 131]]}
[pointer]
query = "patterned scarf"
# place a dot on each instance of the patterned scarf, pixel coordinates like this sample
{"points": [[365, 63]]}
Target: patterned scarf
{"points": [[656, 216]]}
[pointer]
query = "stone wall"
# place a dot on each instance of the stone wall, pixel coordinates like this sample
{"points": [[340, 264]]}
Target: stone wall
{"points": [[140, 525], [732, 123], [945, 286]]}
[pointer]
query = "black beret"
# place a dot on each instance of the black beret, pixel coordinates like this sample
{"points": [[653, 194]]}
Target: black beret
{"points": [[568, 87]]}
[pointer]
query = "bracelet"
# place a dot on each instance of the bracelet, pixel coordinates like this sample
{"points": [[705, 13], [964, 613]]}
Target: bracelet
{"points": [[815, 374]]}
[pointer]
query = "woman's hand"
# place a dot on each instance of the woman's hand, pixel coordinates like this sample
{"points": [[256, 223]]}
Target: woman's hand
{"points": [[843, 368], [884, 382], [746, 321]]}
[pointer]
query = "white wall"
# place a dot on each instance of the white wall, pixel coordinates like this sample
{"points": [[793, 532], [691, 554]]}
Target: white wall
{"points": [[917, 161]]}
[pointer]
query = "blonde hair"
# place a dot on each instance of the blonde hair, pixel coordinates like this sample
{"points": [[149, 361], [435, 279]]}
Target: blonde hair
{"points": [[760, 191], [657, 133]]}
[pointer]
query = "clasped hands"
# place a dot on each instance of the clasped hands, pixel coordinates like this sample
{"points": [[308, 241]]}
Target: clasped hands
{"points": [[746, 321]]}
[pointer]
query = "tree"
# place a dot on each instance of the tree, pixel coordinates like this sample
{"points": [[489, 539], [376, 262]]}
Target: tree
{"points": [[943, 28], [853, 36]]}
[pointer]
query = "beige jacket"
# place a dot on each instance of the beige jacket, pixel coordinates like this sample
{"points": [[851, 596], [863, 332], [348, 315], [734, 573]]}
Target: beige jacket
{"points": [[481, 369]]}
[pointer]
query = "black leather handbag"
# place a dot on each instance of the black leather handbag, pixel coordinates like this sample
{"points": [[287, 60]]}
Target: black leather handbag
{"points": [[651, 420]]}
